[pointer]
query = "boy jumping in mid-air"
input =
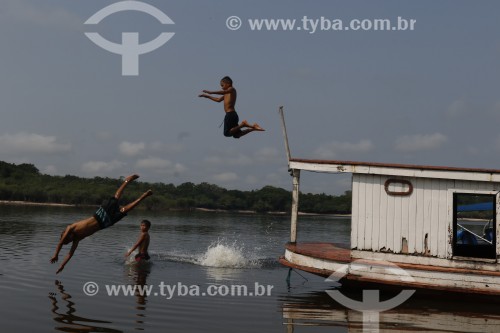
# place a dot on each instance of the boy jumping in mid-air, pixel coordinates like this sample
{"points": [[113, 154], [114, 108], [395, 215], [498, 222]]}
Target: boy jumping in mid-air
{"points": [[142, 243], [104, 217], [231, 126]]}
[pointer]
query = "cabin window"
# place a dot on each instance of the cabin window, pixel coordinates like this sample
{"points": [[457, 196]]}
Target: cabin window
{"points": [[474, 225]]}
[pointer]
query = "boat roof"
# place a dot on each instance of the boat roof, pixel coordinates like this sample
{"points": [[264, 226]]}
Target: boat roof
{"points": [[392, 169]]}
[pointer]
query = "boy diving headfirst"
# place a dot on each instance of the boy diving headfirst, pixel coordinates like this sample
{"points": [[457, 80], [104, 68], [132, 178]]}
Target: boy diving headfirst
{"points": [[231, 126], [107, 215]]}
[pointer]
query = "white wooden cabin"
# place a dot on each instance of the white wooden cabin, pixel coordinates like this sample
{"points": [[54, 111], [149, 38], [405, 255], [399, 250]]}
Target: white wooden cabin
{"points": [[411, 210]]}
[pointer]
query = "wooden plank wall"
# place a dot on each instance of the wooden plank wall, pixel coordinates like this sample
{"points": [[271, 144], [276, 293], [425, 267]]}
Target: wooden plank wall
{"points": [[414, 224]]}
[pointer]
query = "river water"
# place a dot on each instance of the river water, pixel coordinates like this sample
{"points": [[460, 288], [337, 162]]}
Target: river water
{"points": [[209, 272]]}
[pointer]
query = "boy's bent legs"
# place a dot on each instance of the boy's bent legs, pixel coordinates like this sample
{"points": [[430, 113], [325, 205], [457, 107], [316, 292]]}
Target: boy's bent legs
{"points": [[236, 130], [242, 133], [132, 205], [257, 127], [245, 124], [120, 190], [238, 133]]}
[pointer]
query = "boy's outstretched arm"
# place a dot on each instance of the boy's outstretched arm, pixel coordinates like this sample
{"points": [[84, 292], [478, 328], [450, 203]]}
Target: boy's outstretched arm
{"points": [[207, 93], [68, 256], [139, 241], [60, 244], [219, 92], [215, 99]]}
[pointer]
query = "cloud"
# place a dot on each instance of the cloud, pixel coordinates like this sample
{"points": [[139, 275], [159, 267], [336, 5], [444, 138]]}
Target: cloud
{"points": [[31, 143], [104, 135], [497, 107], [344, 183], [21, 11], [497, 143], [273, 178], [236, 160], [225, 177], [183, 135], [251, 179], [268, 154], [131, 149], [330, 150], [161, 165], [135, 148], [159, 146], [153, 163], [420, 142], [50, 170], [457, 108], [98, 167]]}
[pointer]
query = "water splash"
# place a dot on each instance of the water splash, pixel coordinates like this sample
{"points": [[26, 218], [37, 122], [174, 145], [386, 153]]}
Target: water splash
{"points": [[227, 256], [219, 254], [130, 260]]}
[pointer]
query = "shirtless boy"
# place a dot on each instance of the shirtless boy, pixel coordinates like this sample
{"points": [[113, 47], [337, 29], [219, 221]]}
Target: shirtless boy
{"points": [[228, 95], [104, 217], [142, 243]]}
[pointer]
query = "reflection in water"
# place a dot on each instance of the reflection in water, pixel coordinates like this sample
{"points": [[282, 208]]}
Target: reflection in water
{"points": [[71, 322], [223, 274], [424, 313], [139, 272]]}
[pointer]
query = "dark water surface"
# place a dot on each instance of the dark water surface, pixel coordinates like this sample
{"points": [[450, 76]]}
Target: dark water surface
{"points": [[191, 252]]}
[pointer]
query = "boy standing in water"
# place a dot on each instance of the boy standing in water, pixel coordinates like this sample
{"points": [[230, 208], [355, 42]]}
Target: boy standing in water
{"points": [[142, 243], [107, 215], [228, 95]]}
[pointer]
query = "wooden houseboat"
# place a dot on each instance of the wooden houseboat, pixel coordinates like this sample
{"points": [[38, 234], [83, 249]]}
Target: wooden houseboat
{"points": [[437, 224]]}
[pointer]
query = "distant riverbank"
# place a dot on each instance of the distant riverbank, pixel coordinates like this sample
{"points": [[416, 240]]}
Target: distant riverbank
{"points": [[29, 203], [49, 204], [270, 213], [24, 182]]}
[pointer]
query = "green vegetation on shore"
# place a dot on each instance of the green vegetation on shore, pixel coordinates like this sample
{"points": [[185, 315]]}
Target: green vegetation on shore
{"points": [[24, 182]]}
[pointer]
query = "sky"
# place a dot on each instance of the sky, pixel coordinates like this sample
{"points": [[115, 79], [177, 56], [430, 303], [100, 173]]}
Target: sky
{"points": [[424, 96]]}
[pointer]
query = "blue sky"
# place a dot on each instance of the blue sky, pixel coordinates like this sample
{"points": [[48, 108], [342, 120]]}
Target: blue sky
{"points": [[428, 96]]}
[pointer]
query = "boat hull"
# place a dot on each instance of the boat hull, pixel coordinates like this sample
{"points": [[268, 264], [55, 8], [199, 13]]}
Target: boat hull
{"points": [[325, 259]]}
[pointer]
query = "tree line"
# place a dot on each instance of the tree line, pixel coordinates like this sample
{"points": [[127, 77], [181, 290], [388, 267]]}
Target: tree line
{"points": [[24, 182]]}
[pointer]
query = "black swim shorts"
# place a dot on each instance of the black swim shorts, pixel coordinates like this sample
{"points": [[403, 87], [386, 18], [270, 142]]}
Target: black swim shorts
{"points": [[109, 213], [142, 256], [231, 120]]}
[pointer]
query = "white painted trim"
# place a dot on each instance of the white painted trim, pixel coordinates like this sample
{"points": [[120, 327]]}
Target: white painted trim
{"points": [[473, 263], [312, 262], [394, 171]]}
